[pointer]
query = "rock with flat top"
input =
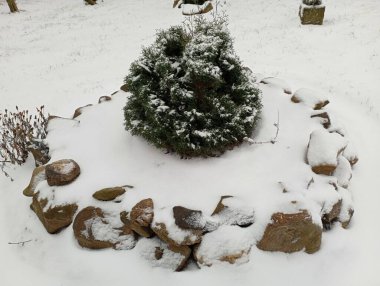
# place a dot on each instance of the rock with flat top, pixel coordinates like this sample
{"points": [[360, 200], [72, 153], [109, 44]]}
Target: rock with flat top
{"points": [[323, 151], [62, 172], [108, 194], [290, 233], [95, 229], [230, 244], [188, 219]]}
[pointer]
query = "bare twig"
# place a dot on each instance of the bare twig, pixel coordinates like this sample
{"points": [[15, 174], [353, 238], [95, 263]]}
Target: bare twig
{"points": [[20, 242], [272, 141], [310, 182]]}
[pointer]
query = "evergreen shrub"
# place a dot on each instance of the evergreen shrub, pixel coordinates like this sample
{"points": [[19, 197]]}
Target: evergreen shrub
{"points": [[190, 93]]}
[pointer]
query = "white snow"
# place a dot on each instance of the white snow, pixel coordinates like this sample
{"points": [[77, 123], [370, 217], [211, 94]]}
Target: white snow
{"points": [[279, 83], [309, 97], [147, 248], [227, 240], [64, 54], [343, 172], [324, 148]]}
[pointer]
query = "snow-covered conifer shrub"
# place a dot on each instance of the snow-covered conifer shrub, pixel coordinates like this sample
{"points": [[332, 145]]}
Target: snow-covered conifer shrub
{"points": [[190, 93]]}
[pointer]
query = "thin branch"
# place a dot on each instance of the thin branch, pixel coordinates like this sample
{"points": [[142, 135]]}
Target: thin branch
{"points": [[20, 242], [272, 141]]}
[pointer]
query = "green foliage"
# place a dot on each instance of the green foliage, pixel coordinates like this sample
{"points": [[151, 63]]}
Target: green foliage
{"points": [[190, 93]]}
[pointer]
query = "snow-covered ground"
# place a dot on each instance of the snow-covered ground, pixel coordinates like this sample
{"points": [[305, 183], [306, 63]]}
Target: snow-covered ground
{"points": [[64, 55]]}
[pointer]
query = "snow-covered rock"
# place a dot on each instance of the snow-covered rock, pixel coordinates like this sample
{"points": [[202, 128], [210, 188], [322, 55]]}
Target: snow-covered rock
{"points": [[144, 231], [158, 253], [96, 229], [323, 151], [62, 172], [79, 110], [166, 229], [290, 233], [324, 119], [188, 219], [233, 211], [230, 244], [104, 98], [347, 210], [142, 213], [310, 98], [38, 175], [343, 172], [278, 83], [53, 217], [351, 154]]}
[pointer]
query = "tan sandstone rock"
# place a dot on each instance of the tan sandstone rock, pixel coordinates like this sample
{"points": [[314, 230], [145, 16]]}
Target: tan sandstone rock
{"points": [[109, 194], [54, 218], [95, 229], [62, 172], [38, 175], [290, 233]]}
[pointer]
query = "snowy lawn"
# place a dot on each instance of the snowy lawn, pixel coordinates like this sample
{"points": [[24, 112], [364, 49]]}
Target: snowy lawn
{"points": [[64, 55]]}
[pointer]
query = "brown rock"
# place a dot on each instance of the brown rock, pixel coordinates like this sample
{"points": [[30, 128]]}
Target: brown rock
{"points": [[104, 98], [192, 237], [227, 243], [158, 253], [324, 169], [290, 233], [79, 110], [311, 15], [54, 219], [124, 87], [323, 151], [326, 122], [188, 219], [345, 223], [62, 172], [233, 215], [144, 231], [200, 10], [38, 175], [185, 251], [91, 217], [142, 213], [310, 98], [108, 194], [330, 216]]}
